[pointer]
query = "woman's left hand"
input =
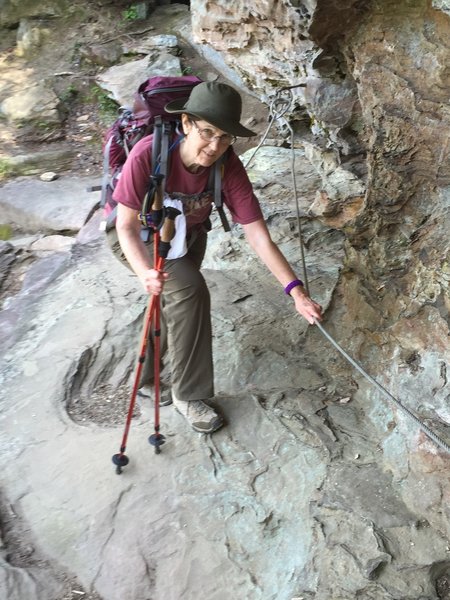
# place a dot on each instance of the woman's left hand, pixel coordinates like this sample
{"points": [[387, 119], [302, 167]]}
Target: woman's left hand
{"points": [[306, 306]]}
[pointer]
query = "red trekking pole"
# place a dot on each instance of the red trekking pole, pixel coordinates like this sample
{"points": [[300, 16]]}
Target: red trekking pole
{"points": [[121, 460], [167, 233], [161, 244]]}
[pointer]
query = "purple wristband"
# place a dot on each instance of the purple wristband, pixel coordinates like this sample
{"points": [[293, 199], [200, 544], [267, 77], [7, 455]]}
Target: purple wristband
{"points": [[292, 285]]}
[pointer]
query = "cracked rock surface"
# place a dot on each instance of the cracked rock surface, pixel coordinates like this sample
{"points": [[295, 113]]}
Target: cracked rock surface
{"points": [[304, 493], [317, 487]]}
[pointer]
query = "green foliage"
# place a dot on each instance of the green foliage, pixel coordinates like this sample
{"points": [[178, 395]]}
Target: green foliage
{"points": [[106, 105], [190, 71], [45, 126], [75, 53], [5, 169], [69, 94], [131, 13]]}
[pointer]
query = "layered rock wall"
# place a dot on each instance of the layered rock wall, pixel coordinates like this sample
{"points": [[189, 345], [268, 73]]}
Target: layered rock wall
{"points": [[376, 94]]}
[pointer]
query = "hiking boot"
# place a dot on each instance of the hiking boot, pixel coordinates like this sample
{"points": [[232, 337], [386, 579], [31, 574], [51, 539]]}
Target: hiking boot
{"points": [[148, 391], [200, 416]]}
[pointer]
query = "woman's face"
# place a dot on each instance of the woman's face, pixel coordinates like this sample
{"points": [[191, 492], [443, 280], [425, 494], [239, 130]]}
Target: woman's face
{"points": [[203, 143]]}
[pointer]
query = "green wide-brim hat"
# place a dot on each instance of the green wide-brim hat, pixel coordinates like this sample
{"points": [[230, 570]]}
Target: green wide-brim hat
{"points": [[217, 103]]}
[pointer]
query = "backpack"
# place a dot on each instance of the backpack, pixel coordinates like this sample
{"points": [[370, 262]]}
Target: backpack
{"points": [[145, 117]]}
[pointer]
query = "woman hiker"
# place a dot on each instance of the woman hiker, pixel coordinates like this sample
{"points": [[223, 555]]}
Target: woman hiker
{"points": [[211, 122]]}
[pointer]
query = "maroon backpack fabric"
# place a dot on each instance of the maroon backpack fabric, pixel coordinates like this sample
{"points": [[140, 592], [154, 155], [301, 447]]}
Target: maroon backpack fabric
{"points": [[135, 123]]}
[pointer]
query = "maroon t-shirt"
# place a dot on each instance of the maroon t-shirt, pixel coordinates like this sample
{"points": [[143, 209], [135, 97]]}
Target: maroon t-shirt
{"points": [[190, 188]]}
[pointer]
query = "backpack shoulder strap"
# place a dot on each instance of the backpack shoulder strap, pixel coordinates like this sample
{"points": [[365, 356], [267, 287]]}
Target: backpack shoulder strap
{"points": [[162, 133], [216, 174]]}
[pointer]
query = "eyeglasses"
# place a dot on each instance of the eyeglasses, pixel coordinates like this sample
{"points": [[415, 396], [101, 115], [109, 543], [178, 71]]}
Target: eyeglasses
{"points": [[208, 135]]}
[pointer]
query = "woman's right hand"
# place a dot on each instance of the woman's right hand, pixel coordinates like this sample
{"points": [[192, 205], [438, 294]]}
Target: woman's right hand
{"points": [[153, 281]]}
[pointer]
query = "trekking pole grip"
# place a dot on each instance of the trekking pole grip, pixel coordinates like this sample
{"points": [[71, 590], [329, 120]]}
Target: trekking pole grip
{"points": [[157, 205], [168, 231], [158, 199]]}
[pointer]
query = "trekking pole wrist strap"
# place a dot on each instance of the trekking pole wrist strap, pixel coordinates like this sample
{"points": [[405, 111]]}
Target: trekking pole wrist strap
{"points": [[290, 286]]}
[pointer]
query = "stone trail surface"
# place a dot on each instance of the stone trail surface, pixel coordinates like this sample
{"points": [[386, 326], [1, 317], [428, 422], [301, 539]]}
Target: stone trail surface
{"points": [[284, 501]]}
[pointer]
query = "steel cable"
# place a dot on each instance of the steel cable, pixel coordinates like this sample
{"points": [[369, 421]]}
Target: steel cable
{"points": [[277, 110], [384, 391]]}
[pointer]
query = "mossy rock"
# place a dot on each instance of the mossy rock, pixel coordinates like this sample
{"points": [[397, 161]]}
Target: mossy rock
{"points": [[36, 163], [5, 232]]}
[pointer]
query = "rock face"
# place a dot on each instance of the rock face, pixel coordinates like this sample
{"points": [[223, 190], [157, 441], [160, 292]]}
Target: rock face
{"points": [[376, 92], [318, 488]]}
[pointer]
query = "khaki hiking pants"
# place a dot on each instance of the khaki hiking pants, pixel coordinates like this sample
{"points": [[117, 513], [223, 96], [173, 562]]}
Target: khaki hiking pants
{"points": [[185, 322]]}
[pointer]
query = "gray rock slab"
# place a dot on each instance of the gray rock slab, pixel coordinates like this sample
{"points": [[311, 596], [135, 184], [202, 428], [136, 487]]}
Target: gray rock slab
{"points": [[35, 102], [366, 490], [292, 498], [122, 80], [30, 205], [169, 522], [19, 584], [18, 309], [35, 163], [205, 511]]}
